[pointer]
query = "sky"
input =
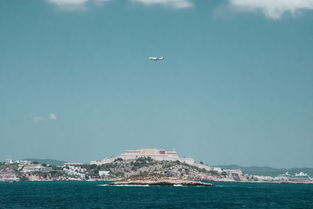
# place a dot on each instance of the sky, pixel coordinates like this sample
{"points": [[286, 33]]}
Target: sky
{"points": [[236, 85]]}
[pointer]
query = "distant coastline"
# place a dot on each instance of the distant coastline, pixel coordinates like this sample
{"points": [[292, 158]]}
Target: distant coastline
{"points": [[137, 162]]}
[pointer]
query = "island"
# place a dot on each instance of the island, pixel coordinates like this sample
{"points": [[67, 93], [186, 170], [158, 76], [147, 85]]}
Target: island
{"points": [[157, 180]]}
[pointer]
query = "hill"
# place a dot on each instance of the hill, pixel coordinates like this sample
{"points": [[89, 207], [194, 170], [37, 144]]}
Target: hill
{"points": [[125, 168], [118, 169]]}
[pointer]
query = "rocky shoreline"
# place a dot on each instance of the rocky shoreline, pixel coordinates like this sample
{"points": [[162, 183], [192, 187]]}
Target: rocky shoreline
{"points": [[157, 180]]}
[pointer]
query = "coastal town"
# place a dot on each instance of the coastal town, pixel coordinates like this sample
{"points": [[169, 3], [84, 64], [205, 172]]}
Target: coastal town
{"points": [[132, 163]]}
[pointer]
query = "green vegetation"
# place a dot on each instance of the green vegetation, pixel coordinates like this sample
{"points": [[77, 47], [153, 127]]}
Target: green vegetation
{"points": [[142, 162], [118, 159]]}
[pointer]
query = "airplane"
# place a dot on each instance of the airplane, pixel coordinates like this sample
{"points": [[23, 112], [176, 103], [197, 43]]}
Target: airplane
{"points": [[156, 58]]}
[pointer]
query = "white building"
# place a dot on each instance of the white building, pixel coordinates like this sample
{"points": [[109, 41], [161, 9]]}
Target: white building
{"points": [[9, 161], [104, 173], [233, 171], [218, 169], [103, 161]]}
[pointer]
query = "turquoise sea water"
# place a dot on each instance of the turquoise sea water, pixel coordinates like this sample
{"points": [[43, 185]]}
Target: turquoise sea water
{"points": [[90, 195]]}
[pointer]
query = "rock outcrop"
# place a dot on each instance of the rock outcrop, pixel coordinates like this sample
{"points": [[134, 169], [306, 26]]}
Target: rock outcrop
{"points": [[157, 180]]}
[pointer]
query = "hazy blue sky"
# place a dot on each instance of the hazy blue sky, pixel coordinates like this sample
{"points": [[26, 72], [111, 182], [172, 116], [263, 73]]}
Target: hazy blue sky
{"points": [[236, 85]]}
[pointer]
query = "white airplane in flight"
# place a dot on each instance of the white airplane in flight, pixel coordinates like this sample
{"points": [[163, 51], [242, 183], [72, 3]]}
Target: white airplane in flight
{"points": [[156, 58]]}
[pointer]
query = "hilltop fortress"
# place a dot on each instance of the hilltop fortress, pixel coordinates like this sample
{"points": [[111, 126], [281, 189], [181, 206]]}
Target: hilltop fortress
{"points": [[167, 156], [161, 155], [155, 154]]}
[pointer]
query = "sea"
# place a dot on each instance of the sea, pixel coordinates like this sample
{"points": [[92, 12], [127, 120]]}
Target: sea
{"points": [[97, 195]]}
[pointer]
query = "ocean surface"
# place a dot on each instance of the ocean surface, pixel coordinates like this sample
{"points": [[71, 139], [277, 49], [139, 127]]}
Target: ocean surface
{"points": [[85, 195]]}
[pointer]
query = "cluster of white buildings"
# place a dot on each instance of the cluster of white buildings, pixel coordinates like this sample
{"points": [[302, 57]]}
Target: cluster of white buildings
{"points": [[297, 177], [301, 176], [30, 168], [26, 166], [74, 171], [20, 162]]}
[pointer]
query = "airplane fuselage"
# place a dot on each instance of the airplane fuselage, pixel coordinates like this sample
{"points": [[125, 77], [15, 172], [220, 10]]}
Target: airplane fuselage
{"points": [[156, 58]]}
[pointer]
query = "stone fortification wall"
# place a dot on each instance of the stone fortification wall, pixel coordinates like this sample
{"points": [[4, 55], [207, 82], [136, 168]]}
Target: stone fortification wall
{"points": [[155, 154]]}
